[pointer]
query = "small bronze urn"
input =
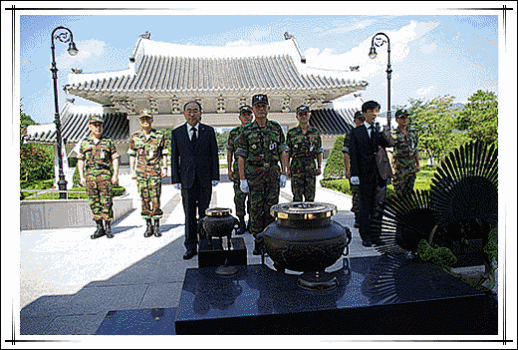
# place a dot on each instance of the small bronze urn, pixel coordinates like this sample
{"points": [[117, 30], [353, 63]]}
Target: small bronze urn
{"points": [[305, 238], [219, 223]]}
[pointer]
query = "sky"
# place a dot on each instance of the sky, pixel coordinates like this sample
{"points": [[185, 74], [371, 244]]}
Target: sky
{"points": [[435, 51], [431, 55]]}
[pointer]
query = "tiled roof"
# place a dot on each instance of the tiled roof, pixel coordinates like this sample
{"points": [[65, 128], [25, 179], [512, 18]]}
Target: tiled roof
{"points": [[170, 73], [75, 127], [332, 121]]}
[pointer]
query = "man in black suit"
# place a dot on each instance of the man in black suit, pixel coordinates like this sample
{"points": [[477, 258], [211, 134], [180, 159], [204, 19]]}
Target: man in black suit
{"points": [[194, 165], [363, 149]]}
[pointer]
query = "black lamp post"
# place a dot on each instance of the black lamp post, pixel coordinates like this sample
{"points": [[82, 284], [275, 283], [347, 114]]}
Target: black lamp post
{"points": [[378, 40], [65, 36]]}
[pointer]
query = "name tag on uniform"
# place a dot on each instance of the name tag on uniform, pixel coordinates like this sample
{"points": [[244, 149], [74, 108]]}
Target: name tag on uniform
{"points": [[102, 153]]}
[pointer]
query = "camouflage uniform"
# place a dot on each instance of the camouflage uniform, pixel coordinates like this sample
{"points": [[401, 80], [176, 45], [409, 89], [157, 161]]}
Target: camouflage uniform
{"points": [[149, 152], [405, 167], [303, 151], [262, 148], [239, 197], [354, 188], [99, 170]]}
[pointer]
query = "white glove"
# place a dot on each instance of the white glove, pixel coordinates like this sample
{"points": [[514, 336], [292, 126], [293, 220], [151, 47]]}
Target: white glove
{"points": [[243, 185], [355, 180], [215, 183], [178, 186], [283, 181]]}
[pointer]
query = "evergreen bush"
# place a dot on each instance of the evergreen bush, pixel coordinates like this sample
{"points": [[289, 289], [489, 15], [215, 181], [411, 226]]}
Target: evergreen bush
{"points": [[335, 162]]}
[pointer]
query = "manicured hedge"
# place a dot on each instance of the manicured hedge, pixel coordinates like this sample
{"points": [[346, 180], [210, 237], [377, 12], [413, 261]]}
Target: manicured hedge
{"points": [[335, 162]]}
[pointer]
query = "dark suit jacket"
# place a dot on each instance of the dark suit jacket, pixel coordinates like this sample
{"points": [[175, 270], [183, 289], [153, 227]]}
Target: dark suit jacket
{"points": [[363, 153], [202, 161]]}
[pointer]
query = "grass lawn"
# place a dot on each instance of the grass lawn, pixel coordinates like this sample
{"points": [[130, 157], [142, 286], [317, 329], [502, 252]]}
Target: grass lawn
{"points": [[116, 191], [422, 182]]}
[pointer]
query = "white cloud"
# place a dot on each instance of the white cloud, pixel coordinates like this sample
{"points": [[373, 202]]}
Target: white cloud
{"points": [[425, 91], [87, 50], [350, 28], [337, 65], [428, 48]]}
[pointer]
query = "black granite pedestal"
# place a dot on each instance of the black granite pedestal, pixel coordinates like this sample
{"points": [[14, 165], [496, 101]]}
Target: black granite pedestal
{"points": [[375, 295], [216, 256]]}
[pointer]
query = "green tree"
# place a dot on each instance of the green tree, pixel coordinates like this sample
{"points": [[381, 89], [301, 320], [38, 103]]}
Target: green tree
{"points": [[36, 161], [434, 122], [222, 138], [335, 162], [480, 117]]}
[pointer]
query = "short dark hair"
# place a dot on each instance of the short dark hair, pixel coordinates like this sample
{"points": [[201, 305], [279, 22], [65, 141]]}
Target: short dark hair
{"points": [[185, 105], [370, 105]]}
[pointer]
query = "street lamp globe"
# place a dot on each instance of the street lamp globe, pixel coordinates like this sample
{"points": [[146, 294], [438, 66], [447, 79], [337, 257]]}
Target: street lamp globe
{"points": [[72, 49], [372, 53]]}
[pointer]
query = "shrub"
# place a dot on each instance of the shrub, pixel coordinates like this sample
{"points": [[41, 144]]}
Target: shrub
{"points": [[341, 185], [335, 162], [75, 178]]}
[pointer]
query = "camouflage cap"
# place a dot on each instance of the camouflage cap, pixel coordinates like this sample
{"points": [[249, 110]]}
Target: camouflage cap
{"points": [[302, 109], [95, 118], [259, 99], [145, 113], [358, 115], [245, 108], [401, 113]]}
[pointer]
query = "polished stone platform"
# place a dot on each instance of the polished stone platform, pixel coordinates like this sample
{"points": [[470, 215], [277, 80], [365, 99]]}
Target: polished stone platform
{"points": [[216, 256], [375, 295]]}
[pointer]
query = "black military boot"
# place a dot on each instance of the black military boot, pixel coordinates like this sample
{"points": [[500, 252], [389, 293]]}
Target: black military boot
{"points": [[157, 228], [242, 227], [100, 230], [108, 229], [149, 229]]}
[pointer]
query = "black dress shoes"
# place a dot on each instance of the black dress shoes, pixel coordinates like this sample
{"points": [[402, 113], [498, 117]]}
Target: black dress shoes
{"points": [[190, 254]]}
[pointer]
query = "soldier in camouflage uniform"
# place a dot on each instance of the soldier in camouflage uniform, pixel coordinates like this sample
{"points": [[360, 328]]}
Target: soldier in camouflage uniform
{"points": [[305, 145], [100, 158], [149, 147], [240, 198], [358, 120], [405, 157], [260, 147]]}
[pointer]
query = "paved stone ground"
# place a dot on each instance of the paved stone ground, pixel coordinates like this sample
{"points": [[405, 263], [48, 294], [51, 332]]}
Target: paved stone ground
{"points": [[69, 282]]}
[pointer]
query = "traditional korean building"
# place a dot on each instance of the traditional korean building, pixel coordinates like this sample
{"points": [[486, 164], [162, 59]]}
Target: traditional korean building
{"points": [[164, 76]]}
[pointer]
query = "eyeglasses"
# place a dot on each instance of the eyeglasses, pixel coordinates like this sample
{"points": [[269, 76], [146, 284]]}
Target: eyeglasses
{"points": [[403, 117]]}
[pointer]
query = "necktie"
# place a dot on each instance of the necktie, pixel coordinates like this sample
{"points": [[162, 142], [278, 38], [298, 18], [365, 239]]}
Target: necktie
{"points": [[193, 139], [371, 128]]}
